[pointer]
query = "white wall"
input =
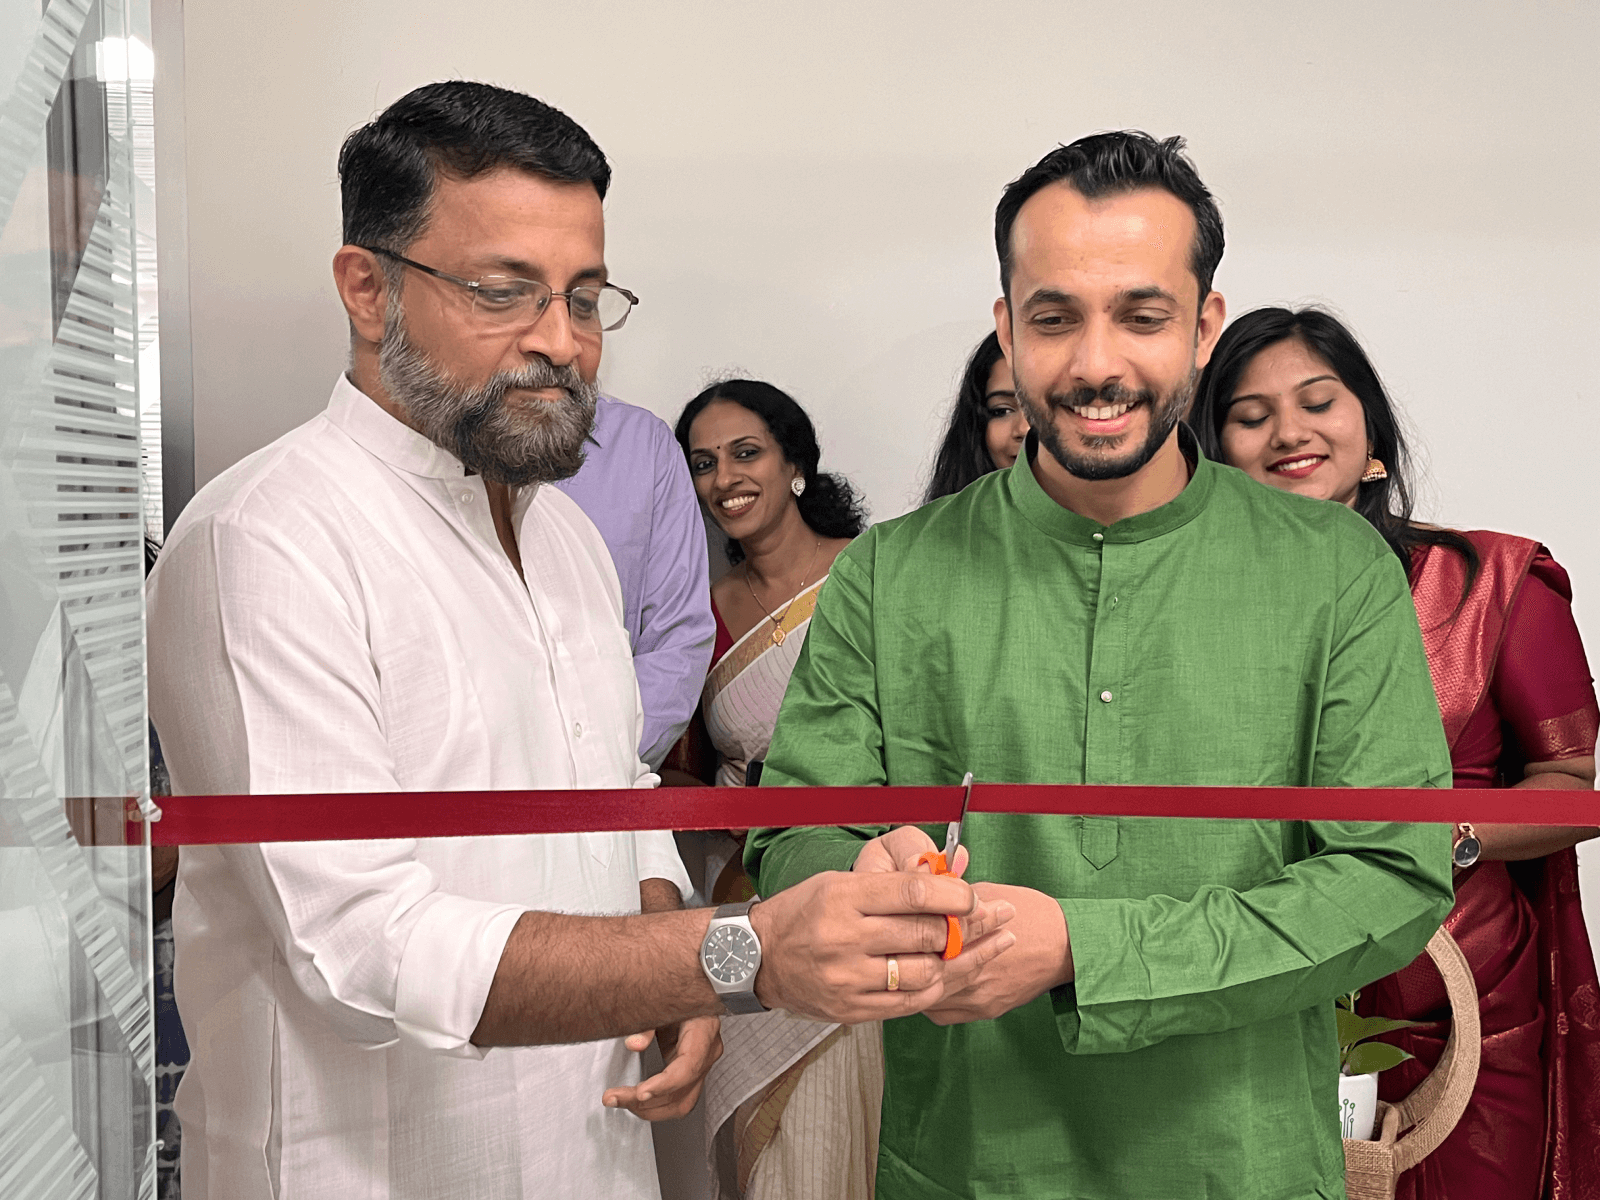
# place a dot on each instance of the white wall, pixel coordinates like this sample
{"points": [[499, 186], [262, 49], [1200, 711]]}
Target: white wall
{"points": [[805, 191]]}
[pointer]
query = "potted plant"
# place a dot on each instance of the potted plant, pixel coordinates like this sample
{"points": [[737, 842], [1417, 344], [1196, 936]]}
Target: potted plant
{"points": [[1360, 1060]]}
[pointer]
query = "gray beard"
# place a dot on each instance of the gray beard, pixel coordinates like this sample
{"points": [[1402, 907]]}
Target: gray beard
{"points": [[1165, 412], [509, 446]]}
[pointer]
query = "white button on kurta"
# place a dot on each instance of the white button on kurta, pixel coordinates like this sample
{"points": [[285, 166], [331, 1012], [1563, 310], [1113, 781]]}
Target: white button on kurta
{"points": [[325, 619]]}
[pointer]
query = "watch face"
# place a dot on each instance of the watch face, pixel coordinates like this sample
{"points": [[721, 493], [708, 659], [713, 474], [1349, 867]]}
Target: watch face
{"points": [[1466, 852], [731, 954]]}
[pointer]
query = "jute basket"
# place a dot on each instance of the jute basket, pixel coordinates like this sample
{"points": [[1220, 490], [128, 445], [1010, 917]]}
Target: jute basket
{"points": [[1411, 1130]]}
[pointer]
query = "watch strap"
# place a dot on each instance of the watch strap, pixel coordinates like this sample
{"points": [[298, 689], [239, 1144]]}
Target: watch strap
{"points": [[742, 1003]]}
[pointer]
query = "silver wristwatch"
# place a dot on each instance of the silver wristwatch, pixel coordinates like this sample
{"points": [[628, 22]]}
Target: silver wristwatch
{"points": [[730, 955]]}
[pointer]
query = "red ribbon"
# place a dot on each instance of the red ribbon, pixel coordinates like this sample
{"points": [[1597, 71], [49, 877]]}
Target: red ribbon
{"points": [[213, 820]]}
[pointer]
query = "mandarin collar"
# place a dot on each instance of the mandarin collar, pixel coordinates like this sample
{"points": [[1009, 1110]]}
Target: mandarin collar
{"points": [[1065, 525], [386, 437]]}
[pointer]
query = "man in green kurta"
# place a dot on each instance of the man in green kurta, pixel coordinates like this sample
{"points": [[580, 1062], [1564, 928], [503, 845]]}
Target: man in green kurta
{"points": [[1117, 609]]}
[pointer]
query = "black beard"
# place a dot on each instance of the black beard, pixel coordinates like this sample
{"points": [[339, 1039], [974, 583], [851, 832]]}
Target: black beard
{"points": [[503, 445], [1165, 412]]}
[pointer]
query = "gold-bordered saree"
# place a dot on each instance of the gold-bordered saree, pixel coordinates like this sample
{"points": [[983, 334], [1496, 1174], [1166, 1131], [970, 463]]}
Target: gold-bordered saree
{"points": [[793, 1105], [745, 688]]}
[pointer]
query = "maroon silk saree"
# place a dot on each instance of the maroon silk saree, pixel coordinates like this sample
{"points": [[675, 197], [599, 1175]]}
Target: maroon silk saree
{"points": [[1513, 688]]}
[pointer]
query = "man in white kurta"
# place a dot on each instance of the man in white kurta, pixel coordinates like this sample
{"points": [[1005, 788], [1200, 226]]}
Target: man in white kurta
{"points": [[392, 597], [333, 614]]}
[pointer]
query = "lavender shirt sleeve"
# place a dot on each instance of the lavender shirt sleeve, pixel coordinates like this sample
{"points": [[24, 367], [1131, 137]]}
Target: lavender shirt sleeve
{"points": [[635, 487]]}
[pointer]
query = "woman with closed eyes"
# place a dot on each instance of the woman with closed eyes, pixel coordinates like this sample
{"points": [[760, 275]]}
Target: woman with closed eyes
{"points": [[1291, 399]]}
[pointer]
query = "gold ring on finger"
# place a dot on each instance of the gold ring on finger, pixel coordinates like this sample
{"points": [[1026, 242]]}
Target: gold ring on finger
{"points": [[894, 974]]}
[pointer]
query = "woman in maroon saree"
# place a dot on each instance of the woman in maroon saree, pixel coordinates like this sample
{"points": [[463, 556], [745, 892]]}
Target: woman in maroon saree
{"points": [[1290, 398]]}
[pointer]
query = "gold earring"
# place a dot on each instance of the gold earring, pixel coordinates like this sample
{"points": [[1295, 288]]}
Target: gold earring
{"points": [[1374, 472]]}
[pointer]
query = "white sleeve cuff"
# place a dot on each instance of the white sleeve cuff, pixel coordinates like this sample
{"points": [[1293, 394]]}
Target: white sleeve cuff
{"points": [[446, 970], [657, 855]]}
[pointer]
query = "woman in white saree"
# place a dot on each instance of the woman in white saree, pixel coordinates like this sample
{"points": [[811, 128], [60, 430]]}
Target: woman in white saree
{"points": [[792, 1108], [748, 676]]}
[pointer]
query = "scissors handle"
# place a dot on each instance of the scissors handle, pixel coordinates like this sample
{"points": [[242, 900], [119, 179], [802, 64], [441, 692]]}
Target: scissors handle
{"points": [[936, 860]]}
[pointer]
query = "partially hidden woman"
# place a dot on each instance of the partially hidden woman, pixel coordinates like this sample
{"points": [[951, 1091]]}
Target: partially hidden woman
{"points": [[987, 426], [803, 1098], [1291, 398]]}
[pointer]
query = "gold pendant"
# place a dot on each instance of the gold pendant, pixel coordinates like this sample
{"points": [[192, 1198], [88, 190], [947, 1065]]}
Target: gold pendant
{"points": [[777, 636]]}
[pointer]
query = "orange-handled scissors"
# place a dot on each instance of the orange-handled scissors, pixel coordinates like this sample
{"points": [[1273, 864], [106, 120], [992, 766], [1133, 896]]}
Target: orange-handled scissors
{"points": [[942, 862]]}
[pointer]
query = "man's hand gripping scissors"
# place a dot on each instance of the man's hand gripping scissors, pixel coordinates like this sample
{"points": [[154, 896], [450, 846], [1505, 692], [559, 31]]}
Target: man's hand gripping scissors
{"points": [[941, 863]]}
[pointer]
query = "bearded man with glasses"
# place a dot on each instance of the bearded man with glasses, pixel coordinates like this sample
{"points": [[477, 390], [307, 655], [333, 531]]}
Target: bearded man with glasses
{"points": [[390, 598]]}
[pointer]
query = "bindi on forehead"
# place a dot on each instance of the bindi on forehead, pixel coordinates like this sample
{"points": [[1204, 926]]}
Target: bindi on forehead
{"points": [[713, 423]]}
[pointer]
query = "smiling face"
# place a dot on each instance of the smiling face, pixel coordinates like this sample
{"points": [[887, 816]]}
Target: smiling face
{"points": [[1104, 328], [739, 471], [1008, 425], [1294, 424]]}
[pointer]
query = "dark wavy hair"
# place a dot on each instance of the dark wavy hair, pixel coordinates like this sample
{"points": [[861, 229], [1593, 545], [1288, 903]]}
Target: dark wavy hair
{"points": [[1107, 164], [964, 454], [829, 505], [1386, 503]]}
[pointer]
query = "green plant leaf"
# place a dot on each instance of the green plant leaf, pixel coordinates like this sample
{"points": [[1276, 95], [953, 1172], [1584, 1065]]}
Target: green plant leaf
{"points": [[1353, 1029], [1377, 1025], [1349, 1027], [1374, 1056]]}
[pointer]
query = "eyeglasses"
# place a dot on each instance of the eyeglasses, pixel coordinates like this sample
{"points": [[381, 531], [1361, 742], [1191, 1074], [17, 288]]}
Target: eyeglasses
{"points": [[503, 300]]}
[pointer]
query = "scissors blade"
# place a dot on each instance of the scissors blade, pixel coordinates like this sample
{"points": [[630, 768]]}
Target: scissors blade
{"points": [[952, 837]]}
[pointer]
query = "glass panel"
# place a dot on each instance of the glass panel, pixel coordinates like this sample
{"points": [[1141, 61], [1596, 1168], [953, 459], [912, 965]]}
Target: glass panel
{"points": [[76, 1034]]}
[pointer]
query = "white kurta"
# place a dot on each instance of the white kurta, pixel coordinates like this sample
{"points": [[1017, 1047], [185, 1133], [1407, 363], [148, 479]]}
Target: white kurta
{"points": [[335, 614]]}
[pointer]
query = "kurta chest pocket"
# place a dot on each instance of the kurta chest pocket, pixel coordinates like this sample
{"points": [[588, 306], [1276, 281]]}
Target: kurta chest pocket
{"points": [[600, 846], [1097, 840]]}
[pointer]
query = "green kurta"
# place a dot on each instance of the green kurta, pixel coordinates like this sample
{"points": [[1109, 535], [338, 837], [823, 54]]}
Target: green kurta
{"points": [[1238, 635]]}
